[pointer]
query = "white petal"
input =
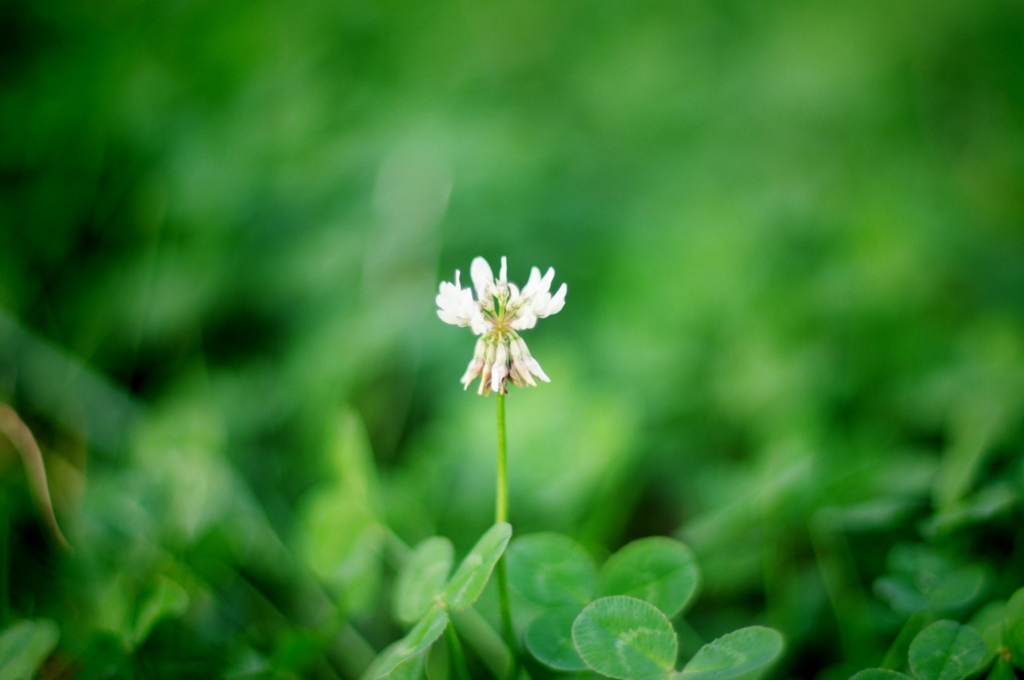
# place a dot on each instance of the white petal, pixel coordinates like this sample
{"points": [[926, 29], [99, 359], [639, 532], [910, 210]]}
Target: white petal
{"points": [[446, 299], [458, 305], [555, 304], [465, 297], [483, 277], [525, 319], [503, 273], [485, 378], [535, 368], [448, 317], [500, 369], [514, 376], [444, 290], [472, 371], [519, 368], [549, 276], [514, 296], [451, 312], [530, 362], [480, 324], [532, 286]]}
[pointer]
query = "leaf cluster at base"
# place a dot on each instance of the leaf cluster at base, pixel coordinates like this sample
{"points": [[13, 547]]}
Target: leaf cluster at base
{"points": [[947, 650], [424, 594], [616, 621]]}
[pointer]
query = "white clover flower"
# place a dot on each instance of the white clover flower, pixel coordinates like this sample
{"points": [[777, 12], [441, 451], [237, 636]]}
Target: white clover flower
{"points": [[499, 310]]}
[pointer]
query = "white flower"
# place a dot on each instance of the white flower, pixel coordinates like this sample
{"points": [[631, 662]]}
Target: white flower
{"points": [[499, 310]]}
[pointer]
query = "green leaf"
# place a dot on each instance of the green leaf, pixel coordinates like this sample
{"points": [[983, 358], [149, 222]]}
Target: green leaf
{"points": [[24, 646], [549, 638], [418, 639], [921, 579], [551, 570], [343, 542], [958, 589], [341, 536], [974, 425], [659, 570], [167, 600], [896, 656], [471, 577], [946, 592], [115, 608], [989, 622], [734, 654], [1013, 628], [990, 502], [422, 578], [351, 457], [901, 594], [946, 650], [878, 674], [411, 669], [627, 638]]}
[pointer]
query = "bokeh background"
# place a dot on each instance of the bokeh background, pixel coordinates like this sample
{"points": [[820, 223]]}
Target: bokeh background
{"points": [[793, 237]]}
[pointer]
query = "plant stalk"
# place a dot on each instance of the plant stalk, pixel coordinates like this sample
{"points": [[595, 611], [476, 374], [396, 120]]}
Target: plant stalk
{"points": [[501, 515], [501, 497], [896, 658], [456, 656]]}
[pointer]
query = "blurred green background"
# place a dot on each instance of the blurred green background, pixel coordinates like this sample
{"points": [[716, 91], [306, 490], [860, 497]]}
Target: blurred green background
{"points": [[793, 236]]}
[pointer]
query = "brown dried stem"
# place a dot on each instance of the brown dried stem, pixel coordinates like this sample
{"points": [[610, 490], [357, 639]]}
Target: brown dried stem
{"points": [[19, 434]]}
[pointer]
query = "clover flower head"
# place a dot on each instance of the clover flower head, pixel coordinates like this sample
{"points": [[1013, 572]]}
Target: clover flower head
{"points": [[498, 311]]}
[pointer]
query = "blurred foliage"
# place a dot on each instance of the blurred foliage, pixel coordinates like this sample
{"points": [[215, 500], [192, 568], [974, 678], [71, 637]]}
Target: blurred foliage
{"points": [[794, 338]]}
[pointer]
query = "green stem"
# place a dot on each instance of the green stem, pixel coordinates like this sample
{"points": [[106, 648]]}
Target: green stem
{"points": [[501, 498], [506, 618], [501, 515], [689, 639], [896, 657], [456, 656], [481, 636]]}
